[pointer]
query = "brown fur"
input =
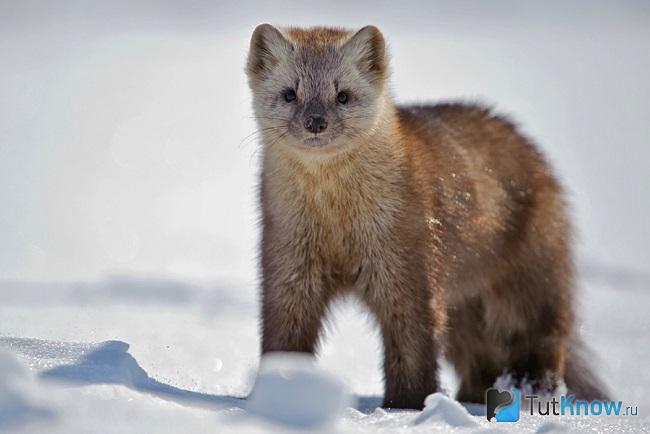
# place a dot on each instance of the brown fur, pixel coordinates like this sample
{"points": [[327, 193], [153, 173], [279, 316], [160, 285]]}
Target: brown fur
{"points": [[444, 220]]}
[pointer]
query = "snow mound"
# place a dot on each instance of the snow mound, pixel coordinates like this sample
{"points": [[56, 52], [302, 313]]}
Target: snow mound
{"points": [[291, 390], [440, 407], [17, 406], [109, 362]]}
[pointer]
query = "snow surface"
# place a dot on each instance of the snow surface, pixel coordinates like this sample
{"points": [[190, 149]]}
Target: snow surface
{"points": [[186, 366], [128, 224]]}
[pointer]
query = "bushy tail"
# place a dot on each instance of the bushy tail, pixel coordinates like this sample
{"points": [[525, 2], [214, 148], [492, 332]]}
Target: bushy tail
{"points": [[579, 377]]}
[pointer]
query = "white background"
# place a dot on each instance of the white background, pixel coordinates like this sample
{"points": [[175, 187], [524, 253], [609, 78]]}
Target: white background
{"points": [[124, 127]]}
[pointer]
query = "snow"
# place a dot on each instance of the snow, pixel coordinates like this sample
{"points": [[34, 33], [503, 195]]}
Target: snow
{"points": [[189, 365], [17, 406], [441, 407], [290, 389], [128, 223]]}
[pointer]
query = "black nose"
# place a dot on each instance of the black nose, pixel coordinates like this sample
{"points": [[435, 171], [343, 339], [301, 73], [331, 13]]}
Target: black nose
{"points": [[315, 124]]}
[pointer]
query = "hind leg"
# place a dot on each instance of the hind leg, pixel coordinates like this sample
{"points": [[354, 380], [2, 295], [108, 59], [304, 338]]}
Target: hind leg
{"points": [[523, 314], [528, 318], [531, 358], [518, 327]]}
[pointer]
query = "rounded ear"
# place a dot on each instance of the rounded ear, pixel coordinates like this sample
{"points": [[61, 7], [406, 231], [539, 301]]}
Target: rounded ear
{"points": [[267, 47], [368, 49]]}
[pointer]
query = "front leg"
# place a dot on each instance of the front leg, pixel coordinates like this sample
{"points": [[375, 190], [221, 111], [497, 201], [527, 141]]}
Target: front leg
{"points": [[405, 309], [293, 305]]}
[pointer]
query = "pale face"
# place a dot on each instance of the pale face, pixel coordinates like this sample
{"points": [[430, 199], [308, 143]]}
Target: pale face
{"points": [[315, 99]]}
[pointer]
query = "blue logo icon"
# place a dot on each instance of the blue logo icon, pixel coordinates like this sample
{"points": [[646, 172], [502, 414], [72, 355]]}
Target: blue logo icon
{"points": [[503, 406]]}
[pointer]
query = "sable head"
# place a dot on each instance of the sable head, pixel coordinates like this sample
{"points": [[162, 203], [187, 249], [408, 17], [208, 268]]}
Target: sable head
{"points": [[317, 89]]}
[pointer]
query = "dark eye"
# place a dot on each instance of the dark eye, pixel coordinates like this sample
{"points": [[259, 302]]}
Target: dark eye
{"points": [[289, 95], [342, 97]]}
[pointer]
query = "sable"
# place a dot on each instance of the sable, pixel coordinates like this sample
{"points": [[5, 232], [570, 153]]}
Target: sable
{"points": [[444, 220]]}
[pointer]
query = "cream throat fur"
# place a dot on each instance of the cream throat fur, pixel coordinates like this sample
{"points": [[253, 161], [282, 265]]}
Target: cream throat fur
{"points": [[355, 180]]}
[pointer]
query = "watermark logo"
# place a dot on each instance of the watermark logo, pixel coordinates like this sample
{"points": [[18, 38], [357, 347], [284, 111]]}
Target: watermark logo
{"points": [[503, 405], [569, 406]]}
